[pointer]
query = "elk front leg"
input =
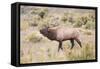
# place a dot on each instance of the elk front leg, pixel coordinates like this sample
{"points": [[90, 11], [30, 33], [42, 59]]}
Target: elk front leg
{"points": [[72, 42], [60, 46]]}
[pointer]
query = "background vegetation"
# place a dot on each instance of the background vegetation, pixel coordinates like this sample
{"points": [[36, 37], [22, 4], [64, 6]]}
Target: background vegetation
{"points": [[37, 48]]}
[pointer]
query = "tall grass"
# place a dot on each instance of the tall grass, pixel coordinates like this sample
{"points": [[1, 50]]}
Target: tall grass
{"points": [[86, 53]]}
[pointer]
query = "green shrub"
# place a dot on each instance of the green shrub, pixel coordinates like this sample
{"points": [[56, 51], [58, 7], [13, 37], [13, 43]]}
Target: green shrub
{"points": [[71, 20], [78, 24], [90, 25], [84, 20], [33, 37], [64, 19], [41, 14]]}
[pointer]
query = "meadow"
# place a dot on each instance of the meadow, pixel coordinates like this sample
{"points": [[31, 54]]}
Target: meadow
{"points": [[35, 48]]}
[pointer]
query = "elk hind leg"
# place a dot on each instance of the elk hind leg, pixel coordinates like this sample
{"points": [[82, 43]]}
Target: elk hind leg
{"points": [[79, 42]]}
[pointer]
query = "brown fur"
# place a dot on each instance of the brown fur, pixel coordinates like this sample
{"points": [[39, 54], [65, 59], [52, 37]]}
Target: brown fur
{"points": [[61, 34]]}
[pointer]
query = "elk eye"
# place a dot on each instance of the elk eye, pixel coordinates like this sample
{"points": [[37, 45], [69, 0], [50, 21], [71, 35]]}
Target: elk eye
{"points": [[48, 30]]}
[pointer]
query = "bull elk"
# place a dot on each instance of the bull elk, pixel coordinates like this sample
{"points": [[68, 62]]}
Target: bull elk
{"points": [[61, 34]]}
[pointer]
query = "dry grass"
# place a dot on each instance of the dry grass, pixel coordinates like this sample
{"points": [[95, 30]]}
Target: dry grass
{"points": [[86, 53], [37, 48]]}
